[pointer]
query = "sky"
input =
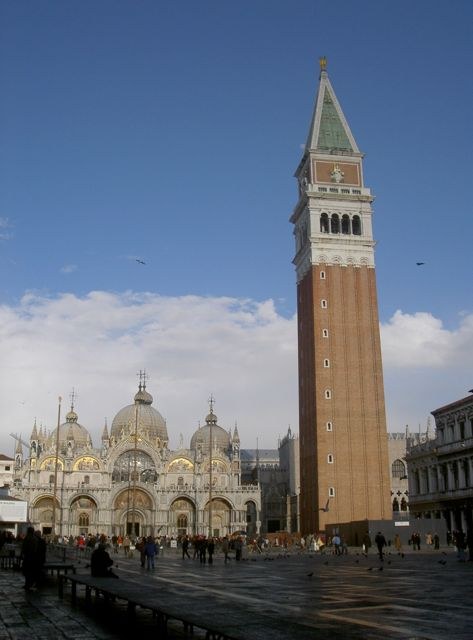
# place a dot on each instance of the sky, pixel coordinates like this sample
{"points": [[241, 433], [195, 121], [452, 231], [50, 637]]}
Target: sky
{"points": [[168, 133]]}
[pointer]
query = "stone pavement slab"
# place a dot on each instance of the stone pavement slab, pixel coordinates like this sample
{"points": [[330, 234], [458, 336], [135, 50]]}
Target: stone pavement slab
{"points": [[423, 595]]}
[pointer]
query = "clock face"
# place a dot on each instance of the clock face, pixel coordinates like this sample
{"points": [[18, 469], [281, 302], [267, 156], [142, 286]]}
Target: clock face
{"points": [[337, 174]]}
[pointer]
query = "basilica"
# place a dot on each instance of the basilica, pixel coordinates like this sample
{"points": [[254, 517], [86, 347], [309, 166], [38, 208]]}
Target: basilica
{"points": [[133, 483]]}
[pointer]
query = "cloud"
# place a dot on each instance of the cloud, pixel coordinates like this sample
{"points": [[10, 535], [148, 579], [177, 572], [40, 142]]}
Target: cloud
{"points": [[241, 351], [5, 224], [68, 268], [425, 366]]}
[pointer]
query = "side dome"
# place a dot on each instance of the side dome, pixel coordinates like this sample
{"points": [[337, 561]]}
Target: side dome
{"points": [[150, 421], [220, 437], [70, 430]]}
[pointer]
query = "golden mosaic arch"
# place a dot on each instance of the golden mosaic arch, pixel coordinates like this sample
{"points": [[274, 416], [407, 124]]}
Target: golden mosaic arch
{"points": [[180, 464], [49, 464], [125, 500], [86, 463]]}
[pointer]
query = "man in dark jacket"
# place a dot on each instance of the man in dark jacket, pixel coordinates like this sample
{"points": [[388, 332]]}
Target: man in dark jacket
{"points": [[380, 542], [100, 563], [29, 550]]}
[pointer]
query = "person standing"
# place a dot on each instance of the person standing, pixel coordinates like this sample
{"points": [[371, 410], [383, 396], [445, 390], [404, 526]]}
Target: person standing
{"points": [[469, 544], [238, 548], [150, 552], [126, 546], [29, 550], [203, 550], [366, 543], [141, 546], [211, 549], [40, 559], [398, 543], [380, 542], [225, 549]]}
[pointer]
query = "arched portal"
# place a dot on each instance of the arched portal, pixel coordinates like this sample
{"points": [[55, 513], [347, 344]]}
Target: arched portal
{"points": [[133, 513], [41, 514], [83, 516], [221, 517], [182, 517]]}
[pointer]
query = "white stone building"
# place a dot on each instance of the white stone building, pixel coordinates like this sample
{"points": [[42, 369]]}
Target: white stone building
{"points": [[133, 483], [440, 469], [6, 470]]}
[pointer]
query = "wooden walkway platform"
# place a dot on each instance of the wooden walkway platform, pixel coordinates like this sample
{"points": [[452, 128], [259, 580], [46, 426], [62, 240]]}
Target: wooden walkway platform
{"points": [[208, 615]]}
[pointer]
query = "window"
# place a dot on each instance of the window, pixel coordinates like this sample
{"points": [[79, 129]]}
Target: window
{"points": [[86, 479], [345, 224], [182, 521], [330, 458], [324, 333], [323, 304], [51, 479], [356, 225], [329, 426], [335, 223], [331, 492], [83, 520], [7, 468], [326, 363], [322, 275], [395, 504], [324, 223], [328, 394], [398, 469]]}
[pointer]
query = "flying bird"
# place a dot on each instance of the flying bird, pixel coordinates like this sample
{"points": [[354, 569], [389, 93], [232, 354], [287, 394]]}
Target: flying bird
{"points": [[419, 264], [140, 261]]}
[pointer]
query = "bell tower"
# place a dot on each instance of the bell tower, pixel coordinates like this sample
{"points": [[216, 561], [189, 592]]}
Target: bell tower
{"points": [[343, 441]]}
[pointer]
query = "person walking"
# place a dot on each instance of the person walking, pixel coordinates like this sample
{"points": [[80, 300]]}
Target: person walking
{"points": [[126, 546], [336, 544], [380, 542], [185, 547]]}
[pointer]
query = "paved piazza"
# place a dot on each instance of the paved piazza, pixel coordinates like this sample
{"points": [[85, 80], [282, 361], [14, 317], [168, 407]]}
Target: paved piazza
{"points": [[424, 595]]}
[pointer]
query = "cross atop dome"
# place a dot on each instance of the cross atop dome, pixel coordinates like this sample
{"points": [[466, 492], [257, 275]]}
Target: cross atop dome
{"points": [[143, 377]]}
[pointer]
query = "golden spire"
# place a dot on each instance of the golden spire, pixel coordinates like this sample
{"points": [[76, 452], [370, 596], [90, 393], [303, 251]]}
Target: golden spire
{"points": [[323, 63]]}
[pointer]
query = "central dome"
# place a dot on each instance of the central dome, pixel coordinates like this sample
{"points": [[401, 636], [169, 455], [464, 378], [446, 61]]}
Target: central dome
{"points": [[149, 420]]}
